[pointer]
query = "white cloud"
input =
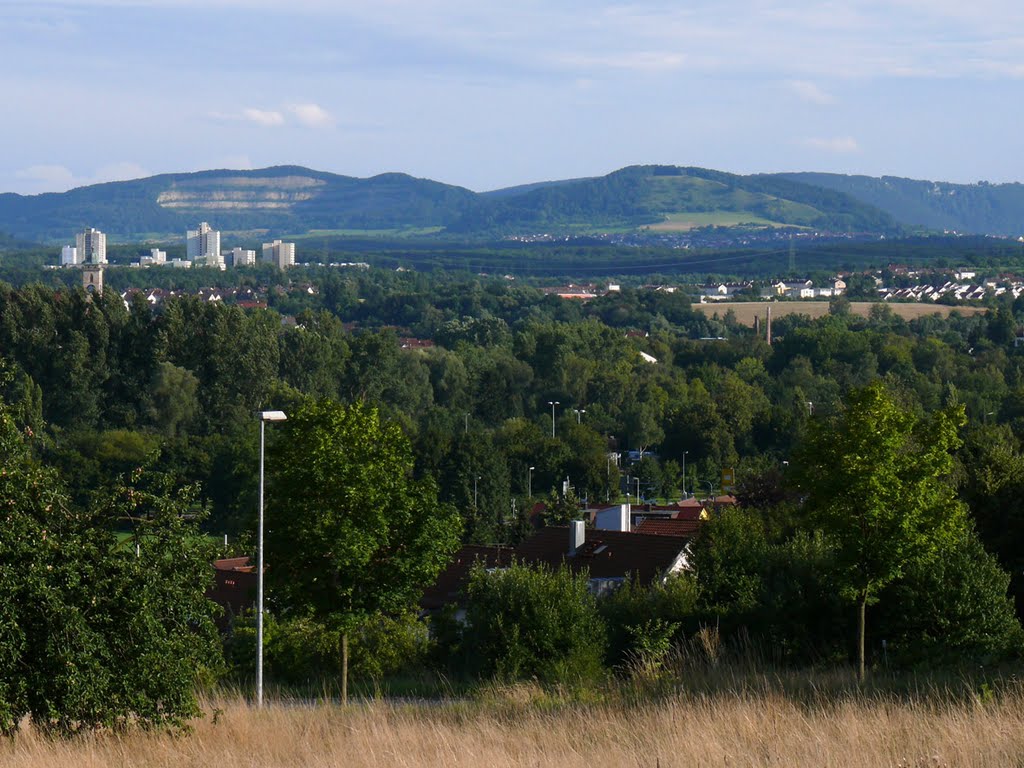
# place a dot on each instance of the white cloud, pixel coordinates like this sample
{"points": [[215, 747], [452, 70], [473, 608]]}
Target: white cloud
{"points": [[810, 92], [836, 144], [266, 117], [60, 178], [47, 178], [312, 115], [120, 171], [639, 61]]}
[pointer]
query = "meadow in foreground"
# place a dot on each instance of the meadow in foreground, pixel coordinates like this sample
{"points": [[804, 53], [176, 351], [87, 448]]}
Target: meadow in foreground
{"points": [[758, 725]]}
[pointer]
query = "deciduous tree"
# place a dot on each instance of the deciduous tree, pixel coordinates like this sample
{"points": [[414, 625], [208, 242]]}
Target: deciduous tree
{"points": [[877, 481]]}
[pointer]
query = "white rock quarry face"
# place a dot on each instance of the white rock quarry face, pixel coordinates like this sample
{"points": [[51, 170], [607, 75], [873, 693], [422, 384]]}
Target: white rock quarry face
{"points": [[240, 193]]}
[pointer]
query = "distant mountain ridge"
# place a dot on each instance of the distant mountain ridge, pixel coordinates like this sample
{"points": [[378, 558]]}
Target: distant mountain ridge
{"points": [[292, 200], [982, 208]]}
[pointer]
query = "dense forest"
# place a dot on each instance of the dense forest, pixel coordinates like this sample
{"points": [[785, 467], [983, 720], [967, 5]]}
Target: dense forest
{"points": [[471, 371]]}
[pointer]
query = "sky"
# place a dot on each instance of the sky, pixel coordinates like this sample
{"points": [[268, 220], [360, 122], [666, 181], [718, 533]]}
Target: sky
{"points": [[486, 95]]}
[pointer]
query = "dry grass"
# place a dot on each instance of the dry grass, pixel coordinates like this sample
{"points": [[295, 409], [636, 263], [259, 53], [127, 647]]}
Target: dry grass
{"points": [[746, 311], [511, 729]]}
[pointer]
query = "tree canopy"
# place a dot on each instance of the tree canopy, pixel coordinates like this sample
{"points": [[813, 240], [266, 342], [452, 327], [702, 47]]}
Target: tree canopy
{"points": [[877, 479]]}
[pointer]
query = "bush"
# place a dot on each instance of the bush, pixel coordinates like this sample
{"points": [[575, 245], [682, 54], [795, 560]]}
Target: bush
{"points": [[301, 651], [951, 609], [532, 622], [645, 621]]}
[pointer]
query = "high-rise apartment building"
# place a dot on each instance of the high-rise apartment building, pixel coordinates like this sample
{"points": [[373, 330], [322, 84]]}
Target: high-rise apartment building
{"points": [[68, 256], [281, 254], [240, 257], [203, 246], [91, 247]]}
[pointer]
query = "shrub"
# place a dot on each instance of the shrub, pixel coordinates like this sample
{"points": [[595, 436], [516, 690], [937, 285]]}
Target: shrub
{"points": [[532, 622], [644, 621]]}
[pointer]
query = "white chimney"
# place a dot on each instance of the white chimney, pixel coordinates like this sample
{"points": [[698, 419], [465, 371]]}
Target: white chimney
{"points": [[577, 535]]}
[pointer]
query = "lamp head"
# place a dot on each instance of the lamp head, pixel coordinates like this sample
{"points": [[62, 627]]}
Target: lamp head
{"points": [[273, 416]]}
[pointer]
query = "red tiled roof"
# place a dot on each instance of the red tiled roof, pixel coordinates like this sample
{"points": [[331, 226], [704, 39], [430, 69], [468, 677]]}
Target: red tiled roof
{"points": [[675, 527], [606, 554], [449, 584], [235, 564]]}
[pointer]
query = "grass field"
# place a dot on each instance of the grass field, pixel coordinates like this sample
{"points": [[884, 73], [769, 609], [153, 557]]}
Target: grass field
{"points": [[746, 311], [684, 222], [751, 728]]}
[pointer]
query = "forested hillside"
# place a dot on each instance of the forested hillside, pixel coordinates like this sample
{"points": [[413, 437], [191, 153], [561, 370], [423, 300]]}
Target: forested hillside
{"points": [[294, 200], [982, 208]]}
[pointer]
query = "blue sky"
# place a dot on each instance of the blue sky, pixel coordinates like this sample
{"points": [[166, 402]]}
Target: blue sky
{"points": [[486, 95]]}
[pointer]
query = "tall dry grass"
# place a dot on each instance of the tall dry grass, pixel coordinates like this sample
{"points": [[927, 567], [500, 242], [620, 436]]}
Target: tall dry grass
{"points": [[519, 726]]}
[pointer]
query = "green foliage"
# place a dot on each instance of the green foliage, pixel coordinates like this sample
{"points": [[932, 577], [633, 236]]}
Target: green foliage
{"points": [[91, 634], [301, 651], [951, 608], [644, 621], [350, 532], [878, 482], [531, 622]]}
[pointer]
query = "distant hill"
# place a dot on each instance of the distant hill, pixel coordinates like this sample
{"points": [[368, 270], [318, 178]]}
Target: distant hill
{"points": [[283, 199], [667, 198], [290, 200], [983, 208]]}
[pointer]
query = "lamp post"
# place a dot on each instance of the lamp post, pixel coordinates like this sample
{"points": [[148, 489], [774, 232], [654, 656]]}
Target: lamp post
{"points": [[579, 413], [475, 478], [265, 416], [553, 403], [684, 473], [529, 482], [607, 481]]}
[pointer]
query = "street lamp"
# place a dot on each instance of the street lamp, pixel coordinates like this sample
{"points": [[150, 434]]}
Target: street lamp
{"points": [[529, 482], [265, 416], [553, 403], [579, 412], [684, 473], [608, 481], [477, 477]]}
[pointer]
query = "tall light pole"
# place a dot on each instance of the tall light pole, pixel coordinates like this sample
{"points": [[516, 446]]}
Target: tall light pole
{"points": [[475, 478], [579, 412], [265, 416], [684, 473], [529, 482], [553, 403], [607, 481]]}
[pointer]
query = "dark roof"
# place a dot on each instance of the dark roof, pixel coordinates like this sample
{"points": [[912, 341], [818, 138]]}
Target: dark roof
{"points": [[235, 564], [449, 584], [606, 554], [679, 526]]}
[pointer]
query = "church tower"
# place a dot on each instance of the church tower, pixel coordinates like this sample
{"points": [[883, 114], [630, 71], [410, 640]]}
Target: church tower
{"points": [[92, 278]]}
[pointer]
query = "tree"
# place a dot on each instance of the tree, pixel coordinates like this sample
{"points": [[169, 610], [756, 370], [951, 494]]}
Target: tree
{"points": [[94, 633], [526, 621], [350, 533], [877, 482]]}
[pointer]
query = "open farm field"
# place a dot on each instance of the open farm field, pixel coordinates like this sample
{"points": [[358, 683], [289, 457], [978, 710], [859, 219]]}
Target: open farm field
{"points": [[746, 311], [684, 222], [739, 729]]}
